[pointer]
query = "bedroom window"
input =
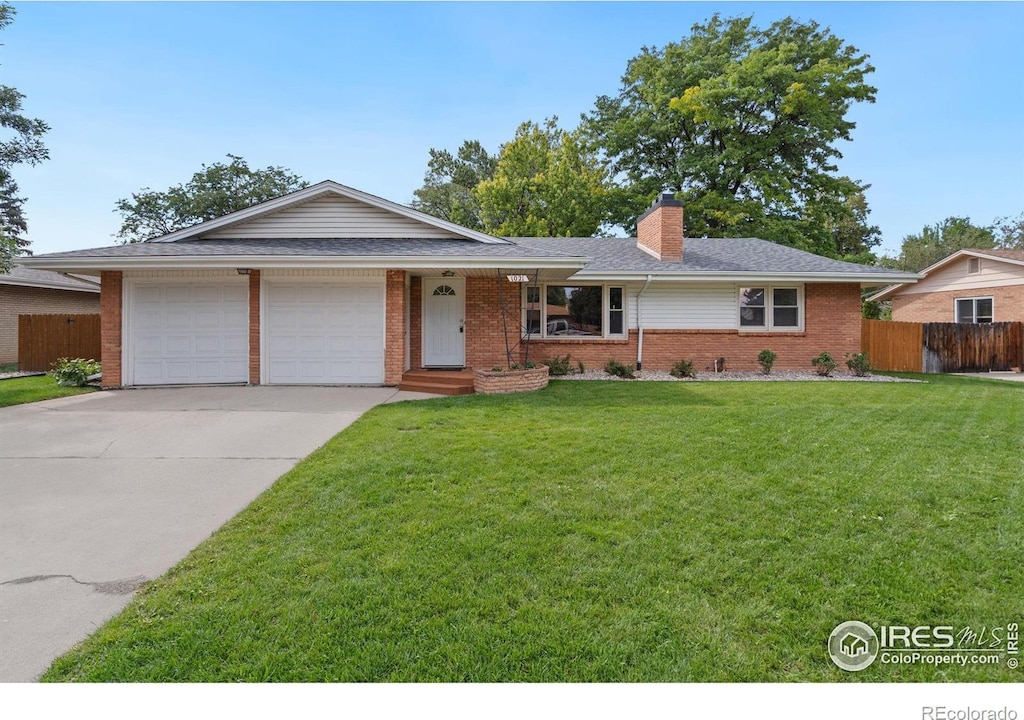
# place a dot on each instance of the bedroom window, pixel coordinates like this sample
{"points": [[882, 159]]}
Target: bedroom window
{"points": [[974, 310], [574, 311], [770, 308]]}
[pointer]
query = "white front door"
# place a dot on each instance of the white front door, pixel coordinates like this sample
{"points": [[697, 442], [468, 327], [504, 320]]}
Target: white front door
{"points": [[444, 326]]}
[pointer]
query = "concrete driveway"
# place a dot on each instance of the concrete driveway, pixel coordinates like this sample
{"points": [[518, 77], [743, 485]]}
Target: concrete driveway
{"points": [[101, 492]]}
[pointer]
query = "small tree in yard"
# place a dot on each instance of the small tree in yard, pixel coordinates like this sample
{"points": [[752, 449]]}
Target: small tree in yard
{"points": [[766, 358]]}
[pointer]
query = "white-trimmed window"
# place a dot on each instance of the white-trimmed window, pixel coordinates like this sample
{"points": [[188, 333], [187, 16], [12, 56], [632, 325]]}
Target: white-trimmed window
{"points": [[771, 307], [974, 310], [574, 311]]}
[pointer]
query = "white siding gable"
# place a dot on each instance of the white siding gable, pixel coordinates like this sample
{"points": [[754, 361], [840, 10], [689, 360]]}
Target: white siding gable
{"points": [[330, 216], [694, 306], [954, 276]]}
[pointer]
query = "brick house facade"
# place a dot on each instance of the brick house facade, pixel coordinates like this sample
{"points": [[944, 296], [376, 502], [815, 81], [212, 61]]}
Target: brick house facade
{"points": [[338, 284]]}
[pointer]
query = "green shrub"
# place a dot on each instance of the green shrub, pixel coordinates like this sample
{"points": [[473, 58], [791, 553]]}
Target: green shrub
{"points": [[74, 373], [579, 367], [530, 365], [497, 368], [766, 358], [558, 365], [858, 363], [626, 372], [683, 368], [824, 364]]}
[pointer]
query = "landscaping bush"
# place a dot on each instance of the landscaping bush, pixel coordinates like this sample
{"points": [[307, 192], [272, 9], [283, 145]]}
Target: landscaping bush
{"points": [[683, 368], [858, 364], [74, 373], [766, 358], [824, 364], [579, 367], [626, 372], [558, 365]]}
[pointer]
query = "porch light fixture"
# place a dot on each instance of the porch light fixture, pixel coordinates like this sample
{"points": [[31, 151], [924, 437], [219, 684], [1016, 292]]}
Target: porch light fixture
{"points": [[448, 273], [244, 271]]}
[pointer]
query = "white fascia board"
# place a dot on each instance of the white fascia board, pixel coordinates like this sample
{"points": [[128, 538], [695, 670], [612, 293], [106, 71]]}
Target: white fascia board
{"points": [[710, 276], [47, 285], [310, 262], [325, 188]]}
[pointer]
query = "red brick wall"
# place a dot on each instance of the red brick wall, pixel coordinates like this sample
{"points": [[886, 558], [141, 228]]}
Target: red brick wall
{"points": [[254, 327], [416, 322], [1007, 304], [21, 300], [394, 335], [485, 341], [831, 323], [110, 327], [662, 232]]}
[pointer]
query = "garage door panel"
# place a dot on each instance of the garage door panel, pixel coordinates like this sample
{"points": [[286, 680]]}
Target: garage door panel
{"points": [[325, 333], [189, 333]]}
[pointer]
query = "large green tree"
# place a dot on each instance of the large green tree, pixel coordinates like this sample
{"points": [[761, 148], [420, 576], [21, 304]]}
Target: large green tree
{"points": [[1009, 232], [448, 185], [544, 182], [215, 190], [20, 142], [934, 242], [743, 123]]}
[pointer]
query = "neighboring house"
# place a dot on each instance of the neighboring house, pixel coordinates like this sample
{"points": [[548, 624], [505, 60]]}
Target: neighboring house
{"points": [[330, 285], [969, 286], [39, 292]]}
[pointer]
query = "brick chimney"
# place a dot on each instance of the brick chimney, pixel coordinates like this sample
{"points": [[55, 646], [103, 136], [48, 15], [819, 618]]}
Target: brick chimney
{"points": [[659, 231]]}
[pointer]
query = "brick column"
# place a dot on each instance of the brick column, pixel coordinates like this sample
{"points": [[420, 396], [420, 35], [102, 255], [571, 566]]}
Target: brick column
{"points": [[110, 327], [416, 323], [394, 336], [254, 327]]}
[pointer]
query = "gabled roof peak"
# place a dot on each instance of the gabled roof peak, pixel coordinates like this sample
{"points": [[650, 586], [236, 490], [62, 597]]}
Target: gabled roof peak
{"points": [[320, 189]]}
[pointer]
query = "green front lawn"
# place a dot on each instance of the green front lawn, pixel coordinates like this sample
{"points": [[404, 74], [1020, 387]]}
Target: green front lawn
{"points": [[604, 532], [16, 391]]}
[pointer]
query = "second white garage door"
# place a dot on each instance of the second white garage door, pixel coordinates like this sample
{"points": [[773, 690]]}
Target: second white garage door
{"points": [[325, 333]]}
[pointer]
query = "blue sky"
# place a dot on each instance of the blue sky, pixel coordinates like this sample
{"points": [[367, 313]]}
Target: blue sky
{"points": [[141, 94]]}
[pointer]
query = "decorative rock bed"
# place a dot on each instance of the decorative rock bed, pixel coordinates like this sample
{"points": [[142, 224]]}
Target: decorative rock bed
{"points": [[493, 382], [736, 375]]}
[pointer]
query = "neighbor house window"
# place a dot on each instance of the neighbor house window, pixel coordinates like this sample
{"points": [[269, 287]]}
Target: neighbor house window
{"points": [[770, 308], [974, 310], [574, 311]]}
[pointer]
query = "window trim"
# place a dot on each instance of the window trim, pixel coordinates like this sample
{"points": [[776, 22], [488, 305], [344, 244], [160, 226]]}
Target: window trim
{"points": [[605, 312], [769, 308], [974, 301]]}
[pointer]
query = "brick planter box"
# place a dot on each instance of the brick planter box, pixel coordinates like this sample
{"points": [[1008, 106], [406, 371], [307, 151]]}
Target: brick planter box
{"points": [[487, 382]]}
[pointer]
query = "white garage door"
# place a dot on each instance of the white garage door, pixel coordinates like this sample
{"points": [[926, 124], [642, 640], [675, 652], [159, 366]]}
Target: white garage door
{"points": [[325, 333], [189, 333]]}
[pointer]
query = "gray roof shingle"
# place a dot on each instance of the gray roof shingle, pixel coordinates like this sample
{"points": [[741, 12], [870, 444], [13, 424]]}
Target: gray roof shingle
{"points": [[739, 255], [607, 255], [327, 247], [44, 278]]}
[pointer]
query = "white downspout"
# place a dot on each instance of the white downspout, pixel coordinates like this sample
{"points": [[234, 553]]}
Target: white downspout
{"points": [[640, 325]]}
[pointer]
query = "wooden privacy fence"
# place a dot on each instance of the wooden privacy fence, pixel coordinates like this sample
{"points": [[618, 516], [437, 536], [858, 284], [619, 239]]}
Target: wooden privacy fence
{"points": [[892, 345], [943, 347], [964, 347], [42, 339]]}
